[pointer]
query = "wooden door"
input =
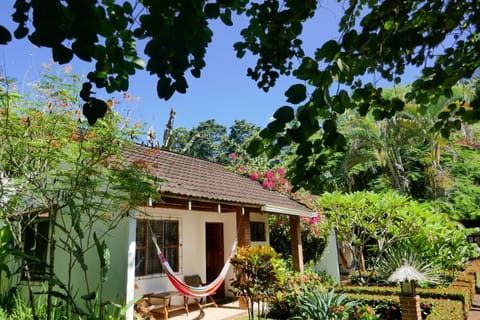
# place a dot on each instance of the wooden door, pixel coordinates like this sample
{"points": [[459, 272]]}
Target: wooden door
{"points": [[214, 250]]}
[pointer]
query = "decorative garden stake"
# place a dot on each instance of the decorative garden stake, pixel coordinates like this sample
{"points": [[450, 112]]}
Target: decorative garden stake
{"points": [[409, 300]]}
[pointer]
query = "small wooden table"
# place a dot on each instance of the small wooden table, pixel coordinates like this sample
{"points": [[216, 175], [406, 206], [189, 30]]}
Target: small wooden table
{"points": [[153, 304]]}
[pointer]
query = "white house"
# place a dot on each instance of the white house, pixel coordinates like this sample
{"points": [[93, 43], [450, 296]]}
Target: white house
{"points": [[204, 208]]}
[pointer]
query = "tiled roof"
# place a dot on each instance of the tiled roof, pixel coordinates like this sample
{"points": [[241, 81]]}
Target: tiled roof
{"points": [[206, 180]]}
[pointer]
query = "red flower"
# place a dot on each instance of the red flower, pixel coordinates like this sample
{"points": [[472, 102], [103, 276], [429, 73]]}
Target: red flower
{"points": [[232, 156], [254, 176]]}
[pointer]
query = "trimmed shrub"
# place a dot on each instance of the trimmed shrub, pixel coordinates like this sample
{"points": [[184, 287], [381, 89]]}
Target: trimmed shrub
{"points": [[446, 310]]}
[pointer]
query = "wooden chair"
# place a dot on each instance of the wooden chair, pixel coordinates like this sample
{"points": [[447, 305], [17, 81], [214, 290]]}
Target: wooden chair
{"points": [[154, 306], [196, 281]]}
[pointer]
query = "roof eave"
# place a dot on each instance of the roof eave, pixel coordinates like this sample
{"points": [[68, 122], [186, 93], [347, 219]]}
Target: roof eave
{"points": [[292, 212]]}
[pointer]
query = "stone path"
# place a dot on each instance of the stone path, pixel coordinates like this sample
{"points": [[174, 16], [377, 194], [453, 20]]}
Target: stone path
{"points": [[475, 310], [226, 311]]}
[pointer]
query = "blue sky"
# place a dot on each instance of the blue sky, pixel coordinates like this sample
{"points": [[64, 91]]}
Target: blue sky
{"points": [[223, 92]]}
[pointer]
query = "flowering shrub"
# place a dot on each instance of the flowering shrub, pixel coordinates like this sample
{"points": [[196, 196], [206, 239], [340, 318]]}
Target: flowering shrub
{"points": [[273, 177], [285, 303]]}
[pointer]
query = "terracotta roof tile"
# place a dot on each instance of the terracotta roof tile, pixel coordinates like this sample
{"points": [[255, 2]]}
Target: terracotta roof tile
{"points": [[200, 179]]}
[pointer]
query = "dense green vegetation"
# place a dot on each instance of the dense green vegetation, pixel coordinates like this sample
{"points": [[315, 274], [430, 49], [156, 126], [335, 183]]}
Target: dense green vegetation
{"points": [[64, 188], [379, 196], [378, 40], [386, 161]]}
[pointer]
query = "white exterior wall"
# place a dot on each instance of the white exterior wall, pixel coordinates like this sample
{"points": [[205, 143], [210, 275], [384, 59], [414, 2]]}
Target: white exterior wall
{"points": [[329, 260]]}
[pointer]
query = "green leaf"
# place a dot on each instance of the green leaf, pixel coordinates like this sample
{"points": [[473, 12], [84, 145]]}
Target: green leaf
{"points": [[328, 51], [388, 24], [104, 256], [138, 63], [226, 17], [342, 66], [296, 93], [164, 89], [196, 72], [306, 69], [61, 54], [344, 99], [5, 35], [329, 126], [89, 296], [181, 85], [272, 150], [299, 134], [20, 32], [284, 114], [255, 147], [444, 115], [212, 10], [83, 50], [276, 126], [398, 104], [350, 39], [445, 132], [127, 7], [240, 48]]}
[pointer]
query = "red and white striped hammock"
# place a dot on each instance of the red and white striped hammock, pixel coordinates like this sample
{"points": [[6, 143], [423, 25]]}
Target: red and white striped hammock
{"points": [[187, 290]]}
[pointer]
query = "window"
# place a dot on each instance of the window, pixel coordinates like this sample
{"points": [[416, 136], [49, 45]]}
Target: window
{"points": [[167, 234], [36, 246], [257, 231]]}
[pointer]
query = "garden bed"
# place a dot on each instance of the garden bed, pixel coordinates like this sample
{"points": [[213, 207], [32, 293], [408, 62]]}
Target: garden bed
{"points": [[452, 302]]}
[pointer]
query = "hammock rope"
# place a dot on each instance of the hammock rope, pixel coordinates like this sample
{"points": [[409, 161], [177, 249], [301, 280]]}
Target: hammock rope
{"points": [[185, 289]]}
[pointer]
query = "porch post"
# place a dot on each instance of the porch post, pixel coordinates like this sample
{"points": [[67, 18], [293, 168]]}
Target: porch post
{"points": [[243, 239], [243, 226], [130, 289], [296, 243]]}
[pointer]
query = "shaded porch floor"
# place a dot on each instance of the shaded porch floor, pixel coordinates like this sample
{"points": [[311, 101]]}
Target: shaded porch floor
{"points": [[228, 309]]}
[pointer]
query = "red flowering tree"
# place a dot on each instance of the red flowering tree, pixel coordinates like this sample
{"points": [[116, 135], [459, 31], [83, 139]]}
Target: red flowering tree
{"points": [[270, 174]]}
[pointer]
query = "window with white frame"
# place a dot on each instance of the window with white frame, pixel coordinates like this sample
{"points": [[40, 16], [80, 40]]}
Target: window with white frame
{"points": [[167, 234]]}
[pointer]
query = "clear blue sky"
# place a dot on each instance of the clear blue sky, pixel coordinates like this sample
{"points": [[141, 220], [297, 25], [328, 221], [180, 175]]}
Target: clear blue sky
{"points": [[223, 92]]}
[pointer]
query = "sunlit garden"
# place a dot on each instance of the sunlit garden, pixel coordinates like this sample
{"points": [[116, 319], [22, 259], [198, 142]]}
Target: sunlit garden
{"points": [[378, 139], [401, 197]]}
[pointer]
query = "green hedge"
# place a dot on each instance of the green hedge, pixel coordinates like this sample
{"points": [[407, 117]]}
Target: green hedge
{"points": [[453, 302], [446, 310]]}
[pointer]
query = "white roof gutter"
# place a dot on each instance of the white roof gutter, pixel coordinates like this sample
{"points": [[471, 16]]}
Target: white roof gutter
{"points": [[293, 212]]}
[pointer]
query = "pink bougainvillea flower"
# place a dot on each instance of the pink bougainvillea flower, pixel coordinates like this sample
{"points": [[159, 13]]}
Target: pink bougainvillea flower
{"points": [[281, 172], [267, 184], [232, 156], [270, 175], [254, 176]]}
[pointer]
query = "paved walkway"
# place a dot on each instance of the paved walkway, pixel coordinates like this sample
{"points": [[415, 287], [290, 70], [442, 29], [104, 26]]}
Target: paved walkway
{"points": [[231, 311], [227, 311], [475, 311]]}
